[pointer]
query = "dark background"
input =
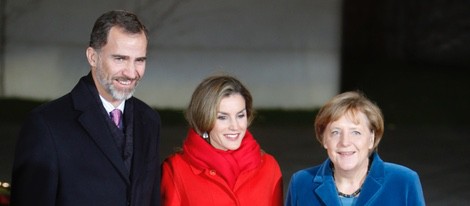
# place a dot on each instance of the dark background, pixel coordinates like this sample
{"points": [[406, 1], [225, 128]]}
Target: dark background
{"points": [[412, 57]]}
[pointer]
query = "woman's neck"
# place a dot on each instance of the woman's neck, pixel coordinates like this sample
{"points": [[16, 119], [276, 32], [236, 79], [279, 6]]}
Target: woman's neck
{"points": [[348, 182]]}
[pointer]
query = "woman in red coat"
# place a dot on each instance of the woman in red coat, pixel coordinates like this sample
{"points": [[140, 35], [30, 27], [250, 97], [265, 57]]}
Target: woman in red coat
{"points": [[220, 162]]}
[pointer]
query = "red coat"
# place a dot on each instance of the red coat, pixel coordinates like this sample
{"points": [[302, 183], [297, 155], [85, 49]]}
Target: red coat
{"points": [[183, 184]]}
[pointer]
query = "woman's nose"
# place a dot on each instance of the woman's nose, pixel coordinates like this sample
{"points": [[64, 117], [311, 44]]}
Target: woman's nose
{"points": [[233, 125], [344, 140]]}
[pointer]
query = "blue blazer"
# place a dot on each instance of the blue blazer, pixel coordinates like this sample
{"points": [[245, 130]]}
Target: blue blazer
{"points": [[386, 184], [66, 154]]}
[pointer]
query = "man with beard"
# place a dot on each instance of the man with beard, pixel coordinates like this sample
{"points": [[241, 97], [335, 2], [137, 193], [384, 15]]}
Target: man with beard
{"points": [[97, 145]]}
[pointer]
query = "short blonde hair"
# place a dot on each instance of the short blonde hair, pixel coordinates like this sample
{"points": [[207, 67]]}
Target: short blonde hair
{"points": [[350, 103], [202, 110]]}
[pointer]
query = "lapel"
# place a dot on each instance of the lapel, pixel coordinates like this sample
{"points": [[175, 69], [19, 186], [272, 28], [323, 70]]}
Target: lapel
{"points": [[373, 182], [372, 185], [92, 118], [326, 187], [139, 132]]}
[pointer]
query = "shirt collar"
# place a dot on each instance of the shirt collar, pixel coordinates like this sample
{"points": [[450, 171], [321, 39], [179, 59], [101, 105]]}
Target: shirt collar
{"points": [[109, 107]]}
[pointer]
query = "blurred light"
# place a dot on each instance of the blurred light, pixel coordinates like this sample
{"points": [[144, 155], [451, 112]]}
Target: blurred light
{"points": [[4, 184]]}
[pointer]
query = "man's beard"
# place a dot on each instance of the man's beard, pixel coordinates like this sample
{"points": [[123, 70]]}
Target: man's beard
{"points": [[111, 89]]}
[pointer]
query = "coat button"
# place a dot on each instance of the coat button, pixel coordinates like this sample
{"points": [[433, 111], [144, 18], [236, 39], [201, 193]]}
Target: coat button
{"points": [[212, 172]]}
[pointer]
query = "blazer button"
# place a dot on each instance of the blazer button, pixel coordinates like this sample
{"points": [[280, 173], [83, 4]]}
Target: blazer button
{"points": [[212, 172]]}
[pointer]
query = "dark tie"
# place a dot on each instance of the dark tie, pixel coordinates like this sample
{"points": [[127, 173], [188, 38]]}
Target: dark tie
{"points": [[116, 117]]}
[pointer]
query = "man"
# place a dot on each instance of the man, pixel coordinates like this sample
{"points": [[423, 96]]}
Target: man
{"points": [[71, 152]]}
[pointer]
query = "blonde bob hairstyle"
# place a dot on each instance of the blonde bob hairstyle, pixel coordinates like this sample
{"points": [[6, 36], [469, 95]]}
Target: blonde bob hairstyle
{"points": [[202, 110], [350, 103]]}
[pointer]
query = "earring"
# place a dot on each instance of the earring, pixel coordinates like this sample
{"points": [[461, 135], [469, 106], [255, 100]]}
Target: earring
{"points": [[205, 135]]}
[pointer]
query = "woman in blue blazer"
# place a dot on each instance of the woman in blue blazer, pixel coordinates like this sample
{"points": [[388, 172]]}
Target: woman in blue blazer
{"points": [[350, 128]]}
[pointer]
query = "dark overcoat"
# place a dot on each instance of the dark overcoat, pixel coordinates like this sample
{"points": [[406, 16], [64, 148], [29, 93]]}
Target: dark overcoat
{"points": [[66, 154]]}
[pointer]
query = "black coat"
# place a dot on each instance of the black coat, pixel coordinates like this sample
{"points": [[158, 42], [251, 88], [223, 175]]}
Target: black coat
{"points": [[66, 155]]}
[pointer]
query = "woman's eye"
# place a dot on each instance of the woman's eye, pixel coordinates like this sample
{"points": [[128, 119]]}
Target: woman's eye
{"points": [[241, 115], [221, 117]]}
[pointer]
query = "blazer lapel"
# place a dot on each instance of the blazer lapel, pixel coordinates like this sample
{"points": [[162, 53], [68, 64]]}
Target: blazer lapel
{"points": [[326, 188], [373, 183], [140, 132], [371, 188], [100, 134], [93, 120], [325, 191], [138, 157]]}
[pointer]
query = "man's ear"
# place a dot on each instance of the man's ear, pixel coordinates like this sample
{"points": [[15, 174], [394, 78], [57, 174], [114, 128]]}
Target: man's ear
{"points": [[92, 56]]}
